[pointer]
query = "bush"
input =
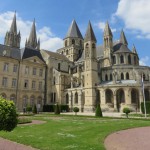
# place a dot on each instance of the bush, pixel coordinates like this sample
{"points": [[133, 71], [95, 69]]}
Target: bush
{"points": [[24, 120], [64, 108], [126, 110], [147, 107], [48, 108], [8, 115], [29, 109], [34, 109], [98, 112], [57, 110], [76, 109]]}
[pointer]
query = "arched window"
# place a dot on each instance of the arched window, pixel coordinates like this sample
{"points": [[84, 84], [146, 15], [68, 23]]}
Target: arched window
{"points": [[66, 52], [93, 45], [111, 77], [25, 101], [66, 43], [109, 96], [134, 60], [134, 96], [121, 59], [106, 77], [122, 76], [73, 41], [4, 95], [87, 45], [127, 76], [62, 52], [32, 101], [58, 66], [67, 98], [114, 59], [129, 59], [13, 98], [144, 78], [76, 98], [147, 95]]}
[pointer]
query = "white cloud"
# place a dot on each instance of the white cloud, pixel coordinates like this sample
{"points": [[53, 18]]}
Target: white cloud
{"points": [[144, 61], [135, 14], [48, 40], [101, 26]]}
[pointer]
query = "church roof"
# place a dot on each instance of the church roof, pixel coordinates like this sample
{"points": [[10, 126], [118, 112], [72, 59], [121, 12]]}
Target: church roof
{"points": [[13, 27], [123, 39], [89, 36], [107, 30], [74, 31], [119, 47]]}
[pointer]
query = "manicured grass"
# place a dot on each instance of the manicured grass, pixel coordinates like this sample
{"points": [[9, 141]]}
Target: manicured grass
{"points": [[70, 132]]}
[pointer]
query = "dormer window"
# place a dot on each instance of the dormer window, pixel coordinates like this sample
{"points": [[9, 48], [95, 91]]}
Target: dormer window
{"points": [[73, 41]]}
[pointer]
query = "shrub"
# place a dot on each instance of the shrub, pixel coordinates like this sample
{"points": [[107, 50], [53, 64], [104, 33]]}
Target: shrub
{"points": [[76, 109], [29, 109], [64, 108], [98, 112], [8, 115], [57, 110], [147, 107], [126, 110], [48, 108], [34, 109], [24, 120]]}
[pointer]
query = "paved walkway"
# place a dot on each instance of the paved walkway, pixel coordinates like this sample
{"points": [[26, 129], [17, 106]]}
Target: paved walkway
{"points": [[131, 139]]}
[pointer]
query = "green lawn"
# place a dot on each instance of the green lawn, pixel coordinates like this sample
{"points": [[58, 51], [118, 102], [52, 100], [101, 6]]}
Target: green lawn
{"points": [[70, 132]]}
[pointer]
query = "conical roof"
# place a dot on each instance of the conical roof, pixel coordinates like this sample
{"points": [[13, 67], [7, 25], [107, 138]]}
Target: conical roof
{"points": [[74, 31], [134, 49], [123, 39], [13, 27], [32, 41], [89, 36], [107, 30]]}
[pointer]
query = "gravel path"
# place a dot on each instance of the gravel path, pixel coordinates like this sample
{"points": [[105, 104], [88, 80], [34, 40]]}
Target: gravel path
{"points": [[131, 139]]}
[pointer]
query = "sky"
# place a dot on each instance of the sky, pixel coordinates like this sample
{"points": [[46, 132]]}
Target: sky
{"points": [[53, 18]]}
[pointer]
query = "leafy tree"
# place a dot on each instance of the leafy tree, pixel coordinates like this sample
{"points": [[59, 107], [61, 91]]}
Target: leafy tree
{"points": [[57, 110], [8, 115], [34, 109], [76, 109], [29, 109], [98, 112], [126, 110]]}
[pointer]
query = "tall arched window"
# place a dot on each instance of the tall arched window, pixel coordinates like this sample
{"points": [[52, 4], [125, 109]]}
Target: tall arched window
{"points": [[129, 59], [66, 43], [73, 41], [127, 76], [134, 60], [122, 76], [67, 98], [76, 98], [106, 77], [111, 77], [144, 78], [114, 59], [121, 59]]}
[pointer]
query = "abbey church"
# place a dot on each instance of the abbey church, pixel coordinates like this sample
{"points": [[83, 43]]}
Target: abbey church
{"points": [[80, 74]]}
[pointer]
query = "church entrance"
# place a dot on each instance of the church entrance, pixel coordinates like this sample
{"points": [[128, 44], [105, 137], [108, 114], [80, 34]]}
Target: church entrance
{"points": [[120, 98]]}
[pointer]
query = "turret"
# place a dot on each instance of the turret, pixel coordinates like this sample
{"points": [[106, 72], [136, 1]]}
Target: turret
{"points": [[123, 39]]}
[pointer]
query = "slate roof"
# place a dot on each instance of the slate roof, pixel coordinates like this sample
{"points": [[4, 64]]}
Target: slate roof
{"points": [[119, 48], [74, 31], [123, 39], [8, 51], [107, 30], [89, 36], [29, 52]]}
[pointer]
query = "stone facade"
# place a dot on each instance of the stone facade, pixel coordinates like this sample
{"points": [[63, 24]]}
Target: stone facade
{"points": [[79, 74]]}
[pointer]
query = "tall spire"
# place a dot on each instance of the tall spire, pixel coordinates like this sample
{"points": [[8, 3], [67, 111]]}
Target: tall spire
{"points": [[89, 36], [107, 30], [134, 49], [74, 31], [13, 28], [123, 39], [32, 40], [12, 38]]}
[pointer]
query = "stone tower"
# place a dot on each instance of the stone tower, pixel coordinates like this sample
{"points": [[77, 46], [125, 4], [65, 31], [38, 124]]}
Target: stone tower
{"points": [[32, 40], [73, 42], [108, 45], [12, 38], [91, 75]]}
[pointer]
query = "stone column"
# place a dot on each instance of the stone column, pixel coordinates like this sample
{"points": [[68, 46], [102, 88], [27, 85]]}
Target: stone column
{"points": [[127, 97], [115, 102], [80, 100], [70, 101], [71, 82], [140, 98]]}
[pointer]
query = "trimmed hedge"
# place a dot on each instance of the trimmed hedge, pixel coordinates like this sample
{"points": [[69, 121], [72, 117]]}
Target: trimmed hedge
{"points": [[98, 111], [147, 107], [51, 108]]}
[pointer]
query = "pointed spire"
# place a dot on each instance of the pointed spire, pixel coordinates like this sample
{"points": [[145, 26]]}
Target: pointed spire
{"points": [[32, 41], [107, 30], [74, 31], [13, 28], [134, 49], [89, 36], [123, 39], [38, 44]]}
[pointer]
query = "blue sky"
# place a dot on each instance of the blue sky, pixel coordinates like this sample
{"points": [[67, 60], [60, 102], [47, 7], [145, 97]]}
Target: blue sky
{"points": [[53, 18]]}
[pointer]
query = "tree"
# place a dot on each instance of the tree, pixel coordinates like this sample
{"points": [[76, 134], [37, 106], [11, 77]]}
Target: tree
{"points": [[98, 112], [57, 110], [8, 115], [34, 109], [126, 110], [76, 109]]}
